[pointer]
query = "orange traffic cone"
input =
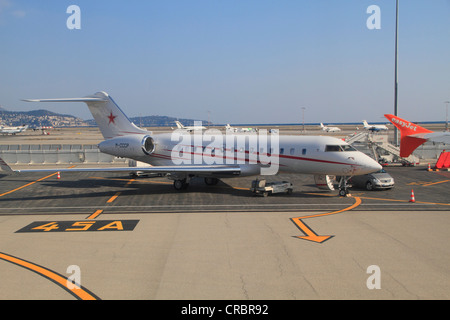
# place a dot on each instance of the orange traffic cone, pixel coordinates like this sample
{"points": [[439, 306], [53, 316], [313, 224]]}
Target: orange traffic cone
{"points": [[429, 167], [59, 175], [412, 199]]}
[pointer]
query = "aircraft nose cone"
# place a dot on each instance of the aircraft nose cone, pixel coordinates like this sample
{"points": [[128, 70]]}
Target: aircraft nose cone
{"points": [[367, 165], [372, 166], [377, 167]]}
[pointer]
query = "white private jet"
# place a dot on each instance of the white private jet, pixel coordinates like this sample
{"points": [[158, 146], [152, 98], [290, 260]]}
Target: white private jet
{"points": [[374, 127], [229, 128], [189, 128], [181, 158], [12, 130], [329, 129]]}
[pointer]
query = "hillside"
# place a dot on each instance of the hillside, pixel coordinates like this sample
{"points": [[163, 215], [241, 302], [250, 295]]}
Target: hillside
{"points": [[38, 118]]}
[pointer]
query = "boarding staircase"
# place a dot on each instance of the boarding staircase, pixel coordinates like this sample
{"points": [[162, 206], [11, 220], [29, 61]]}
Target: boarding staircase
{"points": [[380, 146], [358, 137]]}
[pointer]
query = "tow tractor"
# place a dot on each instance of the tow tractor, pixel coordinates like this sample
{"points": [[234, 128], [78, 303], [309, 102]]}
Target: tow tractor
{"points": [[263, 188]]}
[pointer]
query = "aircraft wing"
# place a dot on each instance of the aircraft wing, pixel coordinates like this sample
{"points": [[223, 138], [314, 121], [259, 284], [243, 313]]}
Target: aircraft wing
{"points": [[219, 170], [443, 137]]}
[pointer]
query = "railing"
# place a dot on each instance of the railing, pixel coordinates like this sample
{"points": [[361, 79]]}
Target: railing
{"points": [[56, 154]]}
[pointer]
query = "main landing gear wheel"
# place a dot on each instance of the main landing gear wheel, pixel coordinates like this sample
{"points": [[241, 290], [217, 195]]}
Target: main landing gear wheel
{"points": [[211, 181], [180, 184]]}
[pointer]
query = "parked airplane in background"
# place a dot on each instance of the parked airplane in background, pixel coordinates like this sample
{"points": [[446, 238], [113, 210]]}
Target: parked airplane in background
{"points": [[329, 129], [412, 135], [229, 128], [374, 127], [316, 155], [12, 130], [189, 129]]}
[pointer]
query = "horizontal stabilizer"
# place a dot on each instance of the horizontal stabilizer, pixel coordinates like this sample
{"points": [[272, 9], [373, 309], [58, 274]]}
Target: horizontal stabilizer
{"points": [[86, 99], [110, 119]]}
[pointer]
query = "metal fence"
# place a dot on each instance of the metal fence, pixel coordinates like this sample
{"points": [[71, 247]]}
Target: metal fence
{"points": [[56, 154]]}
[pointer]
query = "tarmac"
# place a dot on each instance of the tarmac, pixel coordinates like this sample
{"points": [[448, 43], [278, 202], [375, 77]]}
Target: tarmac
{"points": [[120, 238]]}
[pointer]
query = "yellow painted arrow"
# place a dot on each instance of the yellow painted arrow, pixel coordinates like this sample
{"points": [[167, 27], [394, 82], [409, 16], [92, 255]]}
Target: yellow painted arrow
{"points": [[310, 235]]}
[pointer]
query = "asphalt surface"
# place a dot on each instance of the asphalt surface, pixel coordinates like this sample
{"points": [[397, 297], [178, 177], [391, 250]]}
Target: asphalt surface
{"points": [[141, 239]]}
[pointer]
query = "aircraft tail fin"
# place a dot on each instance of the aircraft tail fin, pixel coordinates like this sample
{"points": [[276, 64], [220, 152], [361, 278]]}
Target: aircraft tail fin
{"points": [[179, 124], [411, 135], [110, 119]]}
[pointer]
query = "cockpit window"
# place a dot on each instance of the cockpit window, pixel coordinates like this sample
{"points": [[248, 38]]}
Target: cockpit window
{"points": [[347, 147], [332, 149], [339, 148]]}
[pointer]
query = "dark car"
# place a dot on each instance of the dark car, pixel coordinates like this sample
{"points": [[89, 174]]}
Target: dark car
{"points": [[373, 181]]}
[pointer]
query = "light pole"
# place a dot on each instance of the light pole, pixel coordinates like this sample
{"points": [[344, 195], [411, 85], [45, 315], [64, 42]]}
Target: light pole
{"points": [[446, 115], [396, 77], [303, 118]]}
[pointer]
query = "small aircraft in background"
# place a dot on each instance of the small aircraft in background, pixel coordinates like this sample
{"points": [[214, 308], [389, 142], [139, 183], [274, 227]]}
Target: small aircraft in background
{"points": [[412, 135], [374, 127], [229, 128], [329, 129], [12, 130], [189, 128]]}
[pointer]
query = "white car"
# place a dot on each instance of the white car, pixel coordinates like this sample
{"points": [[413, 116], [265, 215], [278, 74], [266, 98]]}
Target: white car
{"points": [[374, 181]]}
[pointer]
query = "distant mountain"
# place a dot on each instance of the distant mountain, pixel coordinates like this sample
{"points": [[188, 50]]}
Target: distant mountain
{"points": [[38, 118]]}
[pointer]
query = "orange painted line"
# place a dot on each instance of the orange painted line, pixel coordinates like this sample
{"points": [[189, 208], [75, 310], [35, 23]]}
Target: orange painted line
{"points": [[79, 292], [95, 214], [28, 184], [433, 183], [114, 197], [309, 233], [394, 200], [357, 203], [110, 200], [31, 183]]}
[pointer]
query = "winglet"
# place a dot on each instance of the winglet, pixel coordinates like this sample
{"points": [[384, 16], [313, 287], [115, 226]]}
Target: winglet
{"points": [[411, 134]]}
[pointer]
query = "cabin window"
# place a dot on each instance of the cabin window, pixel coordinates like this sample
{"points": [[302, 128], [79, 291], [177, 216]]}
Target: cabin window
{"points": [[281, 150], [292, 151], [303, 151]]}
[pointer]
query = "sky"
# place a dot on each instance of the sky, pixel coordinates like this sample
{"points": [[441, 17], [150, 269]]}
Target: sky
{"points": [[230, 61]]}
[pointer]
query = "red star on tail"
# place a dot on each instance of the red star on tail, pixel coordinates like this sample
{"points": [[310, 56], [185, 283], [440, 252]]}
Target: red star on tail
{"points": [[111, 118]]}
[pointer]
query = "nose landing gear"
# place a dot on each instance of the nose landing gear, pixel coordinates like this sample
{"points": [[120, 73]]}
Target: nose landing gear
{"points": [[343, 187]]}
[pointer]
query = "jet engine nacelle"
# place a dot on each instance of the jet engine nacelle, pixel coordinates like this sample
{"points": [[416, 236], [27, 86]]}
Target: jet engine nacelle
{"points": [[129, 146]]}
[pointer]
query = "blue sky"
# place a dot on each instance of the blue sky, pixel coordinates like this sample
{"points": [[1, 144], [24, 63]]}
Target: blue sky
{"points": [[244, 61]]}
